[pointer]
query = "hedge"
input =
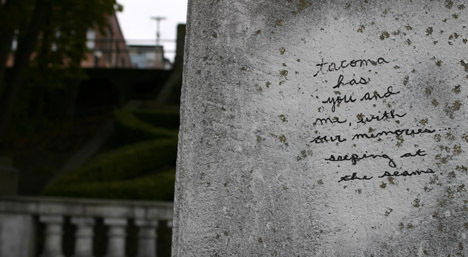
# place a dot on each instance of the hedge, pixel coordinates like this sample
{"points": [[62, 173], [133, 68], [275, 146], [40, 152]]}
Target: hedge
{"points": [[130, 129], [162, 118], [124, 163], [157, 187], [124, 173]]}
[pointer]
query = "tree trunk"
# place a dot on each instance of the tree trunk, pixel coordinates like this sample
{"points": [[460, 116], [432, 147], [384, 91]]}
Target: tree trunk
{"points": [[11, 12], [22, 57]]}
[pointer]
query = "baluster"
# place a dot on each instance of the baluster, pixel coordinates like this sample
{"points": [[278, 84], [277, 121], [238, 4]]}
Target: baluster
{"points": [[117, 234], [147, 236], [53, 236], [84, 236]]}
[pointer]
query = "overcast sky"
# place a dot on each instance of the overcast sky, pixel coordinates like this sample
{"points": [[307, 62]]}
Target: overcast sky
{"points": [[138, 27]]}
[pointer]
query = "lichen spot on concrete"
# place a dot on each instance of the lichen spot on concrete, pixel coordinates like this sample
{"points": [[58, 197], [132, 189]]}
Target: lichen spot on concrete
{"points": [[303, 4], [405, 80], [388, 211], [452, 174], [279, 22], [283, 118], [428, 91], [457, 150], [282, 50], [361, 28], [464, 64], [450, 110], [449, 4], [457, 89], [282, 139], [384, 35], [429, 31], [465, 137]]}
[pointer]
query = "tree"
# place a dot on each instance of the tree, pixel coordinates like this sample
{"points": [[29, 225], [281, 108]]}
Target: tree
{"points": [[55, 31], [12, 10]]}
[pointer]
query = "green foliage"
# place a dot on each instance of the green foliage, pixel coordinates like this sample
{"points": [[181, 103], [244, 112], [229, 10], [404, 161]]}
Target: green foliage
{"points": [[129, 172], [51, 36], [131, 129], [166, 119], [62, 42], [124, 163], [157, 187]]}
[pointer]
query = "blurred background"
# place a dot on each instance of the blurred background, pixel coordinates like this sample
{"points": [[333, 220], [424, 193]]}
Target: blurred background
{"points": [[89, 109]]}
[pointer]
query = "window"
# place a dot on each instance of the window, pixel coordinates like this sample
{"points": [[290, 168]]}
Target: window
{"points": [[91, 39]]}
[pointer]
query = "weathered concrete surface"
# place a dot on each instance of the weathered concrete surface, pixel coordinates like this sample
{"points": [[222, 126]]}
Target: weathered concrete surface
{"points": [[259, 174]]}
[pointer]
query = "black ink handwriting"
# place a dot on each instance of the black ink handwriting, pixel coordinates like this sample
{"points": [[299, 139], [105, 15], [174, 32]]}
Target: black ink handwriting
{"points": [[406, 173], [354, 158], [397, 132], [345, 64], [375, 95], [338, 100], [328, 120], [328, 139], [354, 177], [352, 82], [385, 116], [419, 152]]}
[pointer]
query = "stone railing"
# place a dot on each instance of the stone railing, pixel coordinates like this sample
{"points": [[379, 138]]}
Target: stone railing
{"points": [[20, 218]]}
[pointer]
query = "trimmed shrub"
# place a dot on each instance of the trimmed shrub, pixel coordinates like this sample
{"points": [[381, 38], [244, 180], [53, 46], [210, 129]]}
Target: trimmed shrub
{"points": [[127, 162], [165, 119], [124, 173], [157, 187], [130, 129]]}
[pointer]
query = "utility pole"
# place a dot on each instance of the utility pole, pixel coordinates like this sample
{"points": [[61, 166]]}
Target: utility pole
{"points": [[158, 20]]}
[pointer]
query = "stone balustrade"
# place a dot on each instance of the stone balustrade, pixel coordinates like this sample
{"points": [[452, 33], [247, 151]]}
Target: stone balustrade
{"points": [[19, 218]]}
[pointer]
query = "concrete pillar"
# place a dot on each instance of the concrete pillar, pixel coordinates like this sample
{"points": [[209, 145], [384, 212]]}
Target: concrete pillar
{"points": [[53, 236], [323, 128], [84, 236], [116, 234], [17, 235], [147, 236]]}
